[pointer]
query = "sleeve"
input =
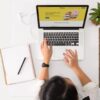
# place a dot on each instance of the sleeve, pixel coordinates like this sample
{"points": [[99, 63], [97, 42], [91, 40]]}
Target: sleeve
{"points": [[37, 88], [91, 89]]}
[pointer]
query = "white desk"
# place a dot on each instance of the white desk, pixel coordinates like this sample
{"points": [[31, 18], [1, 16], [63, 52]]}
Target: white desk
{"points": [[22, 34]]}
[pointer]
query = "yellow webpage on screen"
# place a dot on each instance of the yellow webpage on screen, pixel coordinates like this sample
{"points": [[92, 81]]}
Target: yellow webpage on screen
{"points": [[62, 16]]}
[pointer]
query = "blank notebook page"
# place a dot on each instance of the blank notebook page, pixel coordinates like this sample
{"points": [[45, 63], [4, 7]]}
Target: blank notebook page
{"points": [[12, 59]]}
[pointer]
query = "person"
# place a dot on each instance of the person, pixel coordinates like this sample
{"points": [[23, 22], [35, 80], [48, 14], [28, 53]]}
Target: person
{"points": [[58, 87]]}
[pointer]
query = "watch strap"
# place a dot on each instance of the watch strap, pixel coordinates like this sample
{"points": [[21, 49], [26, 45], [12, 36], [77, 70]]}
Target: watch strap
{"points": [[45, 65]]}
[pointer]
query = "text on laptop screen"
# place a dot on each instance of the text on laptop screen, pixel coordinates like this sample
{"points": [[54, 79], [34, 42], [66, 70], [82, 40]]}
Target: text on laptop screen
{"points": [[61, 16]]}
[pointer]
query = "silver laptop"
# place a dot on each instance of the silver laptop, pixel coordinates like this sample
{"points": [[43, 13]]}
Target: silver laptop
{"points": [[63, 26]]}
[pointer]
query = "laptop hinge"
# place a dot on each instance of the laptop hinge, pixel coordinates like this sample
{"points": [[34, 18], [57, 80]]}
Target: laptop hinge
{"points": [[61, 28]]}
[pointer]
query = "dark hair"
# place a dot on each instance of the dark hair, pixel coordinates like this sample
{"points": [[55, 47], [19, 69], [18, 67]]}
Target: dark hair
{"points": [[58, 89]]}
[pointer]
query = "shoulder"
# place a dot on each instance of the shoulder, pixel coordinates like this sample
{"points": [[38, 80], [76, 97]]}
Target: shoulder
{"points": [[37, 87], [90, 90], [40, 82], [90, 86]]}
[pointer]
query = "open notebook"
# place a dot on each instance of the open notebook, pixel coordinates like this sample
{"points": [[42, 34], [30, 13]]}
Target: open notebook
{"points": [[12, 59]]}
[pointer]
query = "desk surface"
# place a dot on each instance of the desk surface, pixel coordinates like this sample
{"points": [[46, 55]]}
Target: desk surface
{"points": [[22, 34]]}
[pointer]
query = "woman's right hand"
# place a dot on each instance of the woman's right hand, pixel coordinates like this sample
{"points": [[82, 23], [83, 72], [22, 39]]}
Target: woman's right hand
{"points": [[71, 58], [46, 51]]}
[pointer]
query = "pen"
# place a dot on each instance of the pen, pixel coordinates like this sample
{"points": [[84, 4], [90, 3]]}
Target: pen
{"points": [[21, 65]]}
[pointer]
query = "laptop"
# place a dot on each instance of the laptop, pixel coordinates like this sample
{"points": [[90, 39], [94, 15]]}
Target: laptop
{"points": [[63, 27]]}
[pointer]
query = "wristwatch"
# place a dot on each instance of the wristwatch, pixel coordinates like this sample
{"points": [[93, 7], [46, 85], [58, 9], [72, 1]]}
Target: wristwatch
{"points": [[45, 65]]}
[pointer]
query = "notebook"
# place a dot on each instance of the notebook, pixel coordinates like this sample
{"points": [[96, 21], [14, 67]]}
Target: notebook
{"points": [[12, 59]]}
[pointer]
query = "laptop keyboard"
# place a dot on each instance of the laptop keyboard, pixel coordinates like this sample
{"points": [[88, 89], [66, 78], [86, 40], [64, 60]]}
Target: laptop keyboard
{"points": [[62, 38]]}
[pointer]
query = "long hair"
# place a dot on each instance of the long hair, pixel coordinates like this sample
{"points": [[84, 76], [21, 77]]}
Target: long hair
{"points": [[58, 89]]}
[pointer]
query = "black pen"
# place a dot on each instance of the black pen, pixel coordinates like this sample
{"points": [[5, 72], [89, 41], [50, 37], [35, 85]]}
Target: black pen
{"points": [[21, 66]]}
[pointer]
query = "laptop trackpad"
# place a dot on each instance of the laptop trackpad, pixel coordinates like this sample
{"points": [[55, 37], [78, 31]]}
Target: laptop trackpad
{"points": [[58, 52]]}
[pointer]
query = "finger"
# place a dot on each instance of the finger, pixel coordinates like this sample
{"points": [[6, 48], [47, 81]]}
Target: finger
{"points": [[66, 51], [50, 48], [66, 60], [45, 42], [67, 56], [76, 53], [42, 44], [71, 52], [64, 54]]}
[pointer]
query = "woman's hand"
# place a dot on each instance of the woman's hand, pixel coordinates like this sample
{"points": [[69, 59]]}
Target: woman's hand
{"points": [[46, 51], [71, 58]]}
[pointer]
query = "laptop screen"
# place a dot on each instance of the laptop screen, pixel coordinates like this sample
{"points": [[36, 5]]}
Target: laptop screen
{"points": [[61, 16]]}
